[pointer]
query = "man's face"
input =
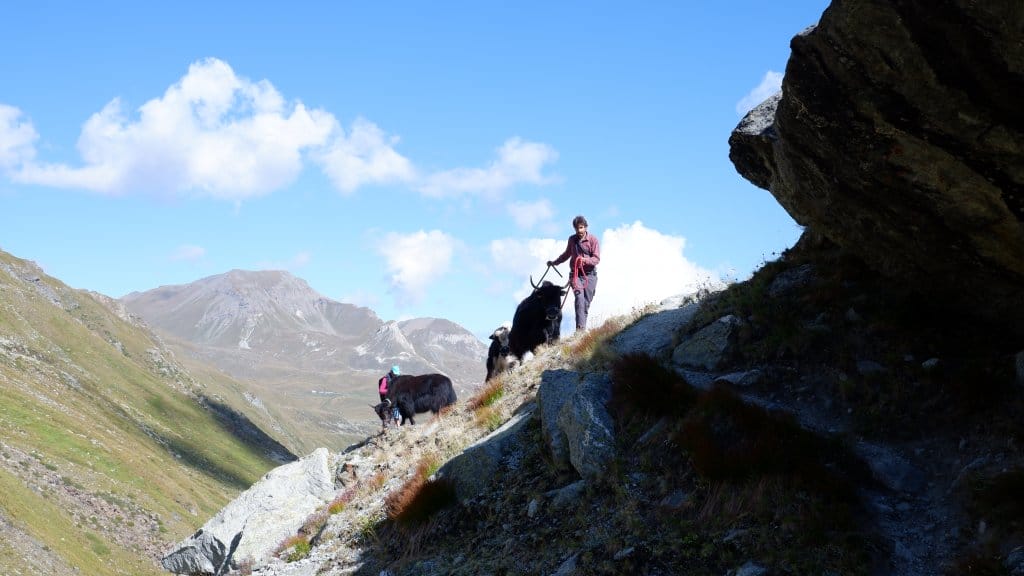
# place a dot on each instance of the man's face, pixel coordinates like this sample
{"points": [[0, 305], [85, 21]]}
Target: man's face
{"points": [[581, 231]]}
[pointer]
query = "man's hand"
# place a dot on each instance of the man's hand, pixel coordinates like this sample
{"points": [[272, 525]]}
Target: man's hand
{"points": [[550, 263]]}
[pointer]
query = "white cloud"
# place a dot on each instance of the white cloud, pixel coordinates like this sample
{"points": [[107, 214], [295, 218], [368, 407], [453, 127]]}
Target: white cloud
{"points": [[17, 138], [638, 266], [528, 215], [770, 84], [212, 133], [416, 260], [521, 258], [365, 156], [189, 253], [518, 162]]}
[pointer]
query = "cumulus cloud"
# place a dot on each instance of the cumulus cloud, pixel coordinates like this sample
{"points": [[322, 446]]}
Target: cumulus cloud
{"points": [[17, 138], [518, 162], [770, 84], [529, 215], [638, 266], [189, 253], [365, 156], [521, 258], [212, 133], [414, 261], [217, 134]]}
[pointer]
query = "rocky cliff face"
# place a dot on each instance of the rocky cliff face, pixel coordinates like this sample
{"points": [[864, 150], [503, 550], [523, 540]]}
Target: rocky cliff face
{"points": [[899, 135]]}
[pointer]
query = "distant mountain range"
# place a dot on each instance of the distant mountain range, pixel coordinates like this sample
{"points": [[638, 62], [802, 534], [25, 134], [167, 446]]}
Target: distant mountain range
{"points": [[310, 363]]}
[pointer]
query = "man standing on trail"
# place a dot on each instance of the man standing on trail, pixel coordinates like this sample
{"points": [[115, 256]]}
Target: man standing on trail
{"points": [[584, 253]]}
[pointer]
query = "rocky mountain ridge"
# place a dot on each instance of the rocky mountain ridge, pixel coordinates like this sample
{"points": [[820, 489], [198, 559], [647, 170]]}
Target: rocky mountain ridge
{"points": [[272, 331]]}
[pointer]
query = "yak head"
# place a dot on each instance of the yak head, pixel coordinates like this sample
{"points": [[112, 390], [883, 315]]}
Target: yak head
{"points": [[550, 295], [383, 411], [500, 336]]}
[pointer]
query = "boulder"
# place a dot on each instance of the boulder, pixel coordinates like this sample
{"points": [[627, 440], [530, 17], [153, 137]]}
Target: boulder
{"points": [[473, 469], [575, 422], [710, 347], [588, 427], [271, 510], [556, 387], [899, 136]]}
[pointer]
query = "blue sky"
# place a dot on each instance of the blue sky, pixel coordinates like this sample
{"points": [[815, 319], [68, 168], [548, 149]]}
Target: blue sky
{"points": [[421, 159]]}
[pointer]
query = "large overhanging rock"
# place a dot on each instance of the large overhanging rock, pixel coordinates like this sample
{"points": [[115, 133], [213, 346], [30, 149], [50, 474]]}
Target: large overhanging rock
{"points": [[899, 135]]}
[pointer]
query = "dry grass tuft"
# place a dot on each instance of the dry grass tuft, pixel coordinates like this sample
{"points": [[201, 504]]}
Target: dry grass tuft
{"points": [[314, 524], [340, 502], [487, 395], [376, 481], [419, 498], [488, 418], [297, 546], [590, 350]]}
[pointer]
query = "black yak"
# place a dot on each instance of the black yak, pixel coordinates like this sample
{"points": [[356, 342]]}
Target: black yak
{"points": [[416, 394], [497, 355], [538, 319]]}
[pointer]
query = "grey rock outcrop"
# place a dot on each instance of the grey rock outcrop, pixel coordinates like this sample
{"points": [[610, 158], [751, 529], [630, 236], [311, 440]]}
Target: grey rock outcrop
{"points": [[556, 386], [588, 428], [575, 422], [473, 469], [709, 348], [654, 334], [899, 136], [272, 509]]}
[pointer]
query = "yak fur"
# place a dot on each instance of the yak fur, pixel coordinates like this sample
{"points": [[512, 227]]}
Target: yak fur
{"points": [[416, 394]]}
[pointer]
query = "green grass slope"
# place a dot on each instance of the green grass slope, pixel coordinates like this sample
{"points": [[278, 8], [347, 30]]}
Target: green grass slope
{"points": [[107, 453]]}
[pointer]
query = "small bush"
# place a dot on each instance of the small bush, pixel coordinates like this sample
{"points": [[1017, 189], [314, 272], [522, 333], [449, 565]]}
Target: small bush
{"points": [[431, 497], [641, 386], [728, 439], [300, 550], [420, 498]]}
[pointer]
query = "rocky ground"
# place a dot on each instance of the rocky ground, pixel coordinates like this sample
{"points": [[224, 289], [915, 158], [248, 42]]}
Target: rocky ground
{"points": [[928, 408]]}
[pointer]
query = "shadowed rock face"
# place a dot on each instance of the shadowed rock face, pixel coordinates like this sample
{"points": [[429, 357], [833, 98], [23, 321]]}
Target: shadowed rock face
{"points": [[899, 135]]}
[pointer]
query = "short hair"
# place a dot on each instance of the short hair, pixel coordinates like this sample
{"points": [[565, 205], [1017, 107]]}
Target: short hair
{"points": [[579, 220]]}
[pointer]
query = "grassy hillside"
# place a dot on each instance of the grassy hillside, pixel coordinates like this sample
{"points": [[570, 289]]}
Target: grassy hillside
{"points": [[108, 454], [301, 409]]}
